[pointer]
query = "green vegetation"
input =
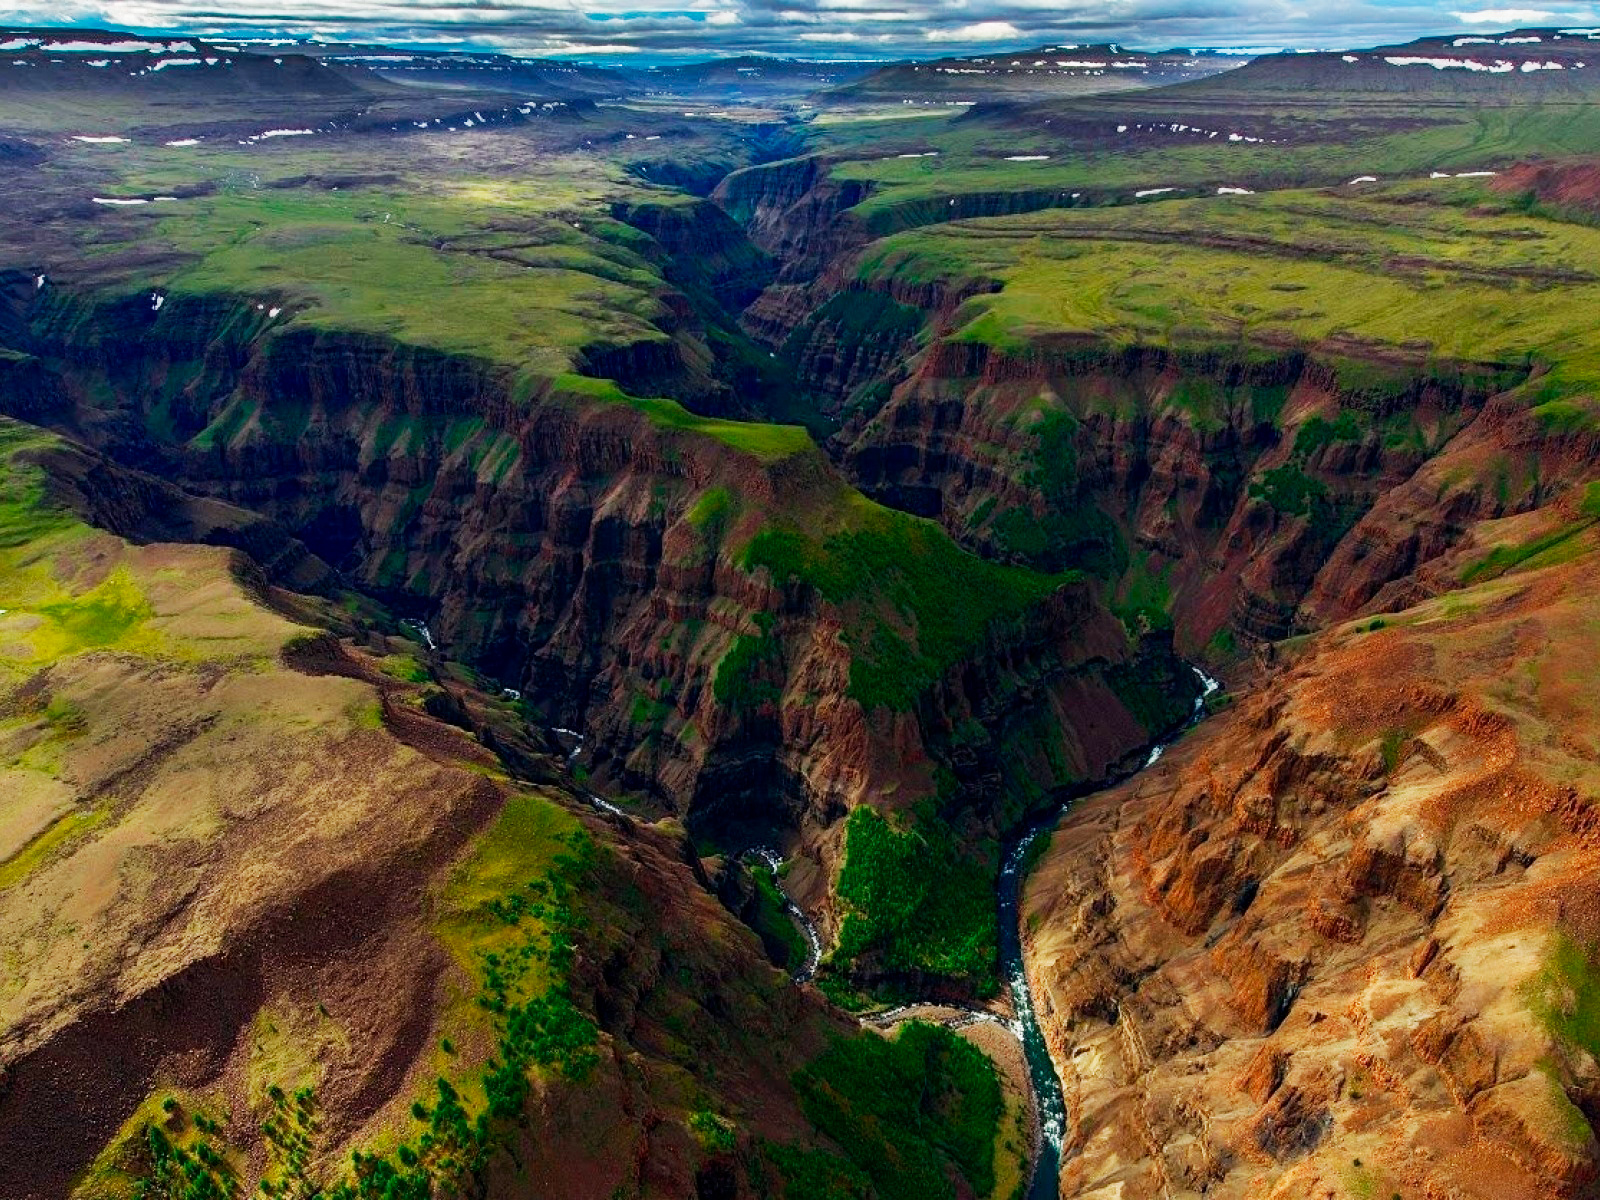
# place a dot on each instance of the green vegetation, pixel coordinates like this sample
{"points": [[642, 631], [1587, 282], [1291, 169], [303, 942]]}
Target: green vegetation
{"points": [[916, 900], [522, 938], [914, 602], [714, 1133], [1144, 600], [905, 1111], [749, 675], [1391, 748], [1565, 994], [1545, 550], [772, 922], [1331, 147], [1437, 269]]}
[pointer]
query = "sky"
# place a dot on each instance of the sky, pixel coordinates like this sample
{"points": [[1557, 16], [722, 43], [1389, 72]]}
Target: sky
{"points": [[824, 29]]}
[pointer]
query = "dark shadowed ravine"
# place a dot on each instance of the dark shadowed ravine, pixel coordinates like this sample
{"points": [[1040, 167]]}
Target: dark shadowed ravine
{"points": [[1049, 1100]]}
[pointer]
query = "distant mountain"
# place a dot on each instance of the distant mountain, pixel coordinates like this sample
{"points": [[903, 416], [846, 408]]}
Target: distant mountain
{"points": [[494, 72], [1521, 63], [751, 76], [104, 63], [1042, 73]]}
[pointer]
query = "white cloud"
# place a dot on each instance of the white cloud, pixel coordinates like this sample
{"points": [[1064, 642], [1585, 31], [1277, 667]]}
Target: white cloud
{"points": [[981, 31], [1506, 16]]}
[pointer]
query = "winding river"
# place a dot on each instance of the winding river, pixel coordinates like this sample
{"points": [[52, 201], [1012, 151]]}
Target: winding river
{"points": [[1049, 1100]]}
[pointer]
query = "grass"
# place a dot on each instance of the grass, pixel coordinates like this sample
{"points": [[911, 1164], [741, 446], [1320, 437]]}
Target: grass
{"points": [[915, 604], [1445, 273], [1557, 545], [1565, 994], [57, 837], [535, 273], [510, 910], [1329, 146], [906, 1112], [915, 901]]}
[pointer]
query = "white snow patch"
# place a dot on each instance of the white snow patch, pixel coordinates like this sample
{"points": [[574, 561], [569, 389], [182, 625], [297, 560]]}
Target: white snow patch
{"points": [[1532, 65], [1363, 179], [1234, 191], [16, 44], [91, 139], [1153, 192], [272, 313], [156, 301], [117, 201], [922, 154], [1350, 58], [276, 133], [1520, 41], [1026, 157], [1475, 174], [184, 142], [128, 47], [1498, 67]]}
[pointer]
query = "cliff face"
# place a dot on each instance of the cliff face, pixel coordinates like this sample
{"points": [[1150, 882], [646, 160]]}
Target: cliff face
{"points": [[241, 854], [1266, 492], [592, 557], [1341, 938]]}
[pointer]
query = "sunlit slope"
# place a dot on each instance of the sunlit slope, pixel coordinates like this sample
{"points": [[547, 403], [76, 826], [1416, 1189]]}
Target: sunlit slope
{"points": [[1437, 271]]}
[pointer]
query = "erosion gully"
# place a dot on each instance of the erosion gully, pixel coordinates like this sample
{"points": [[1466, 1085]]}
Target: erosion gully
{"points": [[1048, 1099]]}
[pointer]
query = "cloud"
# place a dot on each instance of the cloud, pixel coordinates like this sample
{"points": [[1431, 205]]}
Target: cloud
{"points": [[1507, 17], [879, 28], [981, 31]]}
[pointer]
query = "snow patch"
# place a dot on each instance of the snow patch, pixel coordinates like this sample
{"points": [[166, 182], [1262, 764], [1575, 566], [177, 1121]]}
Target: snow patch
{"points": [[184, 142], [1234, 191], [1363, 179], [1498, 67], [1026, 157], [91, 139], [1161, 191]]}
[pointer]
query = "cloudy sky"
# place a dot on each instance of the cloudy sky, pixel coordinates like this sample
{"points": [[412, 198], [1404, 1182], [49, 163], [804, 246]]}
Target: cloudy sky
{"points": [[811, 28]]}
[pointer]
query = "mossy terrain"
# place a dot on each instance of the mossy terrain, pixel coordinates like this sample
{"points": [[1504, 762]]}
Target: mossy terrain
{"points": [[907, 1112], [1088, 162], [916, 902], [513, 904], [915, 603], [1442, 275]]}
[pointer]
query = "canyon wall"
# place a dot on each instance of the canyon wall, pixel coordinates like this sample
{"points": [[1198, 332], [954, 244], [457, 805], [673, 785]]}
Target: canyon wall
{"points": [[1340, 939]]}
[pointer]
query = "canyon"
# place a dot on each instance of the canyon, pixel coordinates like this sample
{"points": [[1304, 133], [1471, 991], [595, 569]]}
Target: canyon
{"points": [[684, 662]]}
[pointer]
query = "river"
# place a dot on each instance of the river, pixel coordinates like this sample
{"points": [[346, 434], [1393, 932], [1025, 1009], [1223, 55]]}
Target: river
{"points": [[1049, 1100]]}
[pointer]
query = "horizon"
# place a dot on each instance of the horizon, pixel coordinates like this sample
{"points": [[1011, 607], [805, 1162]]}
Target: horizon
{"points": [[818, 31]]}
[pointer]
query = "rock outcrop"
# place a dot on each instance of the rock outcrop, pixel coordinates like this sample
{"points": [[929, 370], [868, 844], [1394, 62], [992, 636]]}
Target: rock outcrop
{"points": [[1339, 940]]}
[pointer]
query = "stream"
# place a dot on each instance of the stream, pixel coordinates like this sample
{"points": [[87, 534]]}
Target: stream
{"points": [[1049, 1100]]}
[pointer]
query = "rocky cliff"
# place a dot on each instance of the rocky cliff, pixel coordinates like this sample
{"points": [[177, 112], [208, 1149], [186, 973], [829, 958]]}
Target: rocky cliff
{"points": [[258, 897], [1340, 940], [685, 592]]}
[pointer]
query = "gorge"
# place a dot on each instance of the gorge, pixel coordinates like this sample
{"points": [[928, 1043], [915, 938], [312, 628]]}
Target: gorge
{"points": [[529, 647]]}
